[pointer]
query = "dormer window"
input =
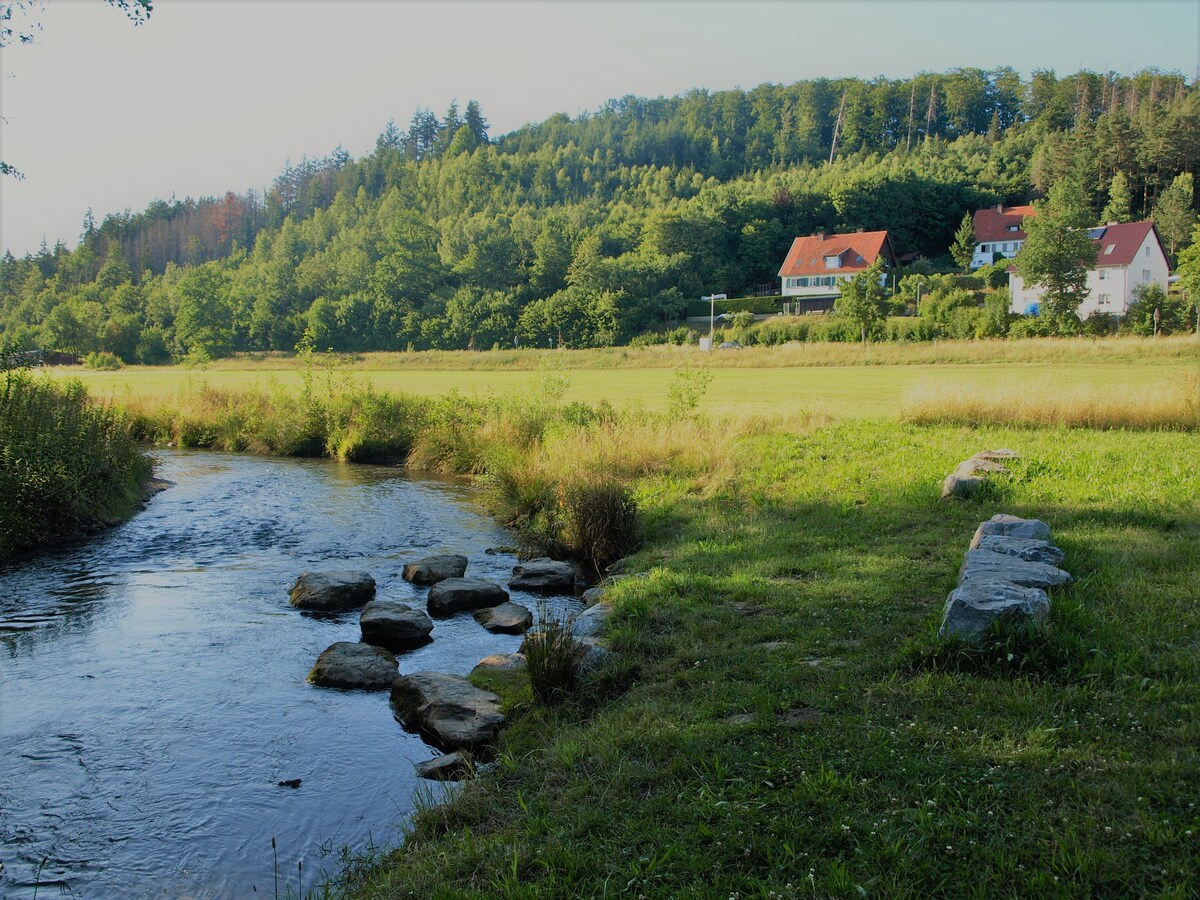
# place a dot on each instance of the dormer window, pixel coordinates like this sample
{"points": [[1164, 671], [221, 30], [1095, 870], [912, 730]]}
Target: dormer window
{"points": [[1012, 227], [1109, 249], [860, 259], [832, 262]]}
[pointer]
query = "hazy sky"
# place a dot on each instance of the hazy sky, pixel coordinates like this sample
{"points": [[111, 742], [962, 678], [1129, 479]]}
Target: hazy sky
{"points": [[215, 95]]}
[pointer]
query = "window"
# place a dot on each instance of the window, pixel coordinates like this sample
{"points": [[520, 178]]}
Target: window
{"points": [[1105, 299], [1147, 250], [832, 262], [983, 248], [1012, 228], [1103, 274], [1145, 274], [802, 282], [1109, 249]]}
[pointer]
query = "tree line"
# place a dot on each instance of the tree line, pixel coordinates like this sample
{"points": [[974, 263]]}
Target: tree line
{"points": [[590, 230]]}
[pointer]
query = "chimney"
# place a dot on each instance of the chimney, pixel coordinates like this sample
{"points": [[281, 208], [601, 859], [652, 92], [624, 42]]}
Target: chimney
{"points": [[1000, 208], [820, 235], [1106, 224], [860, 231]]}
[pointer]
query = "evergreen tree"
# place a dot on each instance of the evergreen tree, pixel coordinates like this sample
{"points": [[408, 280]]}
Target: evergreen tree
{"points": [[1118, 208], [1173, 213], [476, 122], [963, 248]]}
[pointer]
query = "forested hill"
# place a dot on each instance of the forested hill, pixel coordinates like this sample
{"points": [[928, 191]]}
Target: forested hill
{"points": [[589, 230]]}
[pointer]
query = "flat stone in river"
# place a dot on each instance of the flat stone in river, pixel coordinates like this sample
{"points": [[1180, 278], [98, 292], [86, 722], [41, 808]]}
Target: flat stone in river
{"points": [[358, 666], [333, 590]]}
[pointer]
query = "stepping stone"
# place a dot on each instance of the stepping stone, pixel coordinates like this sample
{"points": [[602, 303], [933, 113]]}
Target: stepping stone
{"points": [[507, 618], [448, 708], [544, 576], [357, 666], [394, 625], [463, 595], [433, 569], [334, 590]]}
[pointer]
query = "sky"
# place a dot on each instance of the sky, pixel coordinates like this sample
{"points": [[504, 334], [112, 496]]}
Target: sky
{"points": [[216, 95]]}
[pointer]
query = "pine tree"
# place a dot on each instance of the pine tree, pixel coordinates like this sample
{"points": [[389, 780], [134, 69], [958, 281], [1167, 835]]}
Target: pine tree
{"points": [[1173, 213], [1120, 200], [963, 248]]}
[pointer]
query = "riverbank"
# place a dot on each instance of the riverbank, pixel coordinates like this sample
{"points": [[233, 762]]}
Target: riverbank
{"points": [[69, 465], [783, 722]]}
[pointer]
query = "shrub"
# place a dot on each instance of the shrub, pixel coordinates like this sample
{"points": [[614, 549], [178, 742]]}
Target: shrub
{"points": [[597, 519], [67, 463], [103, 360]]}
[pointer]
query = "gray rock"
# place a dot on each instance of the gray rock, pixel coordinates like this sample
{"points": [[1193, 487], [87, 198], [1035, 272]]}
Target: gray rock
{"points": [[623, 566], [507, 618], [970, 474], [1022, 548], [360, 666], [433, 569], [451, 710], [592, 621], [987, 566], [590, 655], [463, 594], [592, 596], [500, 662], [394, 625], [334, 590], [1013, 526], [449, 767], [972, 608], [960, 487], [544, 576]]}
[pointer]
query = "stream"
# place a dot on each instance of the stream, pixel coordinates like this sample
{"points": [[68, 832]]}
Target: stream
{"points": [[153, 693]]}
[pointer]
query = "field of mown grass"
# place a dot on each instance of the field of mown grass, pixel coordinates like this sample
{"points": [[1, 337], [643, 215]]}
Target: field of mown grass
{"points": [[837, 379]]}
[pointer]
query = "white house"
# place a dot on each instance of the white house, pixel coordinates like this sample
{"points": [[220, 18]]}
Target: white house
{"points": [[1128, 254], [816, 266], [998, 229]]}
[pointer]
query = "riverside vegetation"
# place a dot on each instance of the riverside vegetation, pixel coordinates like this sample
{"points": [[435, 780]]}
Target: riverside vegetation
{"points": [[779, 717], [68, 464]]}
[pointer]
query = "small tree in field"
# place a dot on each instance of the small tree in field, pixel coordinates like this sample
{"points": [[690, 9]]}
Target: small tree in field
{"points": [[963, 248], [1057, 255], [863, 299]]}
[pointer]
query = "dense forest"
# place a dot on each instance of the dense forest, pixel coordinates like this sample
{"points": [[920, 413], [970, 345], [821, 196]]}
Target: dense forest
{"points": [[587, 231]]}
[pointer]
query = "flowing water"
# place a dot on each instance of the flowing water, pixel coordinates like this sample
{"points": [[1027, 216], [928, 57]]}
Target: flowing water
{"points": [[153, 693]]}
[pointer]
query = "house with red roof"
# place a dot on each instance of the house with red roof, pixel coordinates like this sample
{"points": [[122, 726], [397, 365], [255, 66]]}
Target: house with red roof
{"points": [[1128, 255], [816, 266], [998, 230]]}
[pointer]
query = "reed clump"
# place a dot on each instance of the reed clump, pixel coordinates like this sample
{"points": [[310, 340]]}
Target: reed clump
{"points": [[67, 463], [1173, 406]]}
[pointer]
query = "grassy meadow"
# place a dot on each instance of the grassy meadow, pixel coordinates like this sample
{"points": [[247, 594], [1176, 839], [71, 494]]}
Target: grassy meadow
{"points": [[779, 718], [843, 380]]}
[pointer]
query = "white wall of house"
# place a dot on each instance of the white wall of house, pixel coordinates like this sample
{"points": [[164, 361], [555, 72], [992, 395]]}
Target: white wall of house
{"points": [[812, 285], [1110, 288], [984, 252]]}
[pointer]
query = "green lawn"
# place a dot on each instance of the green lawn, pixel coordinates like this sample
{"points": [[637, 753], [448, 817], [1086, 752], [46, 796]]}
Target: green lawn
{"points": [[774, 728], [845, 390]]}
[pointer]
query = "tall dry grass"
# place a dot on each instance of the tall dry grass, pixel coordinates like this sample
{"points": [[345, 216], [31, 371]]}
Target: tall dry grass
{"points": [[1171, 406]]}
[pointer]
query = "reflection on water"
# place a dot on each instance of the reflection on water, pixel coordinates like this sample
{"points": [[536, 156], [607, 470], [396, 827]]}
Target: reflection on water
{"points": [[152, 690]]}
